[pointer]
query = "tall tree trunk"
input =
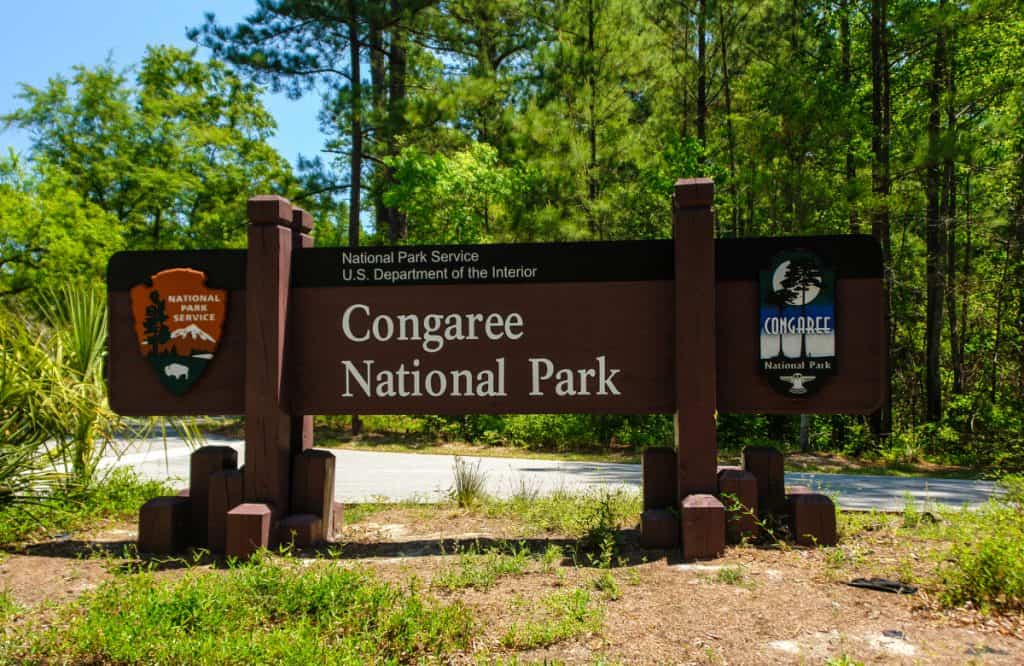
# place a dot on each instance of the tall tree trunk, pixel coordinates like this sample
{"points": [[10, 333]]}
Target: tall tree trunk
{"points": [[723, 40], [881, 184], [356, 158], [592, 118], [805, 433], [702, 76], [847, 78], [949, 200], [934, 237], [398, 224], [379, 97]]}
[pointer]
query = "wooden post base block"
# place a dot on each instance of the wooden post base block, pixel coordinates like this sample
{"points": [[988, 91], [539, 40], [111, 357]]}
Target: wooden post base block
{"points": [[742, 487], [313, 486], [248, 529], [659, 474], [300, 529], [225, 493], [703, 527], [812, 519], [659, 528], [337, 521], [164, 525], [205, 461], [768, 466]]}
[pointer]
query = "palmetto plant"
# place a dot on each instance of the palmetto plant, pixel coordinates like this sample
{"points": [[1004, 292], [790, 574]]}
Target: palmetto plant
{"points": [[77, 319], [55, 423], [29, 411]]}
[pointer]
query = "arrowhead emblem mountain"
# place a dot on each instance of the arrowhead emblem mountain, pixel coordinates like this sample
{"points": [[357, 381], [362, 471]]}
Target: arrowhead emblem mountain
{"points": [[192, 332]]}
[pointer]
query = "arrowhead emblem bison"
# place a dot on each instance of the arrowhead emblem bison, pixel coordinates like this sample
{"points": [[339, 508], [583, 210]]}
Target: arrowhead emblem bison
{"points": [[178, 322]]}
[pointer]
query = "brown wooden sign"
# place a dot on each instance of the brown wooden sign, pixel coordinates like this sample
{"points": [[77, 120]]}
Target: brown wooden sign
{"points": [[532, 328], [283, 331]]}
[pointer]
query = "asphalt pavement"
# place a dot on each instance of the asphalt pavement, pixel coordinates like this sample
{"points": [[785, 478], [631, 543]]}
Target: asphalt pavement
{"points": [[362, 476]]}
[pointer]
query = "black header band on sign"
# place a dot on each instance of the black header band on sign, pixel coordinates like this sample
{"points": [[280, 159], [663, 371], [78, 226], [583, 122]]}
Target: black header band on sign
{"points": [[225, 269], [609, 261], [619, 261], [850, 256]]}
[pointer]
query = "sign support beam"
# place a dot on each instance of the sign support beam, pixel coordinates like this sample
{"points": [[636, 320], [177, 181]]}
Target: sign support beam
{"points": [[268, 425], [695, 388]]}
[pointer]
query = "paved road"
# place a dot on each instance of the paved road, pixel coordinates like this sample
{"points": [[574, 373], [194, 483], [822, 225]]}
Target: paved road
{"points": [[366, 476]]}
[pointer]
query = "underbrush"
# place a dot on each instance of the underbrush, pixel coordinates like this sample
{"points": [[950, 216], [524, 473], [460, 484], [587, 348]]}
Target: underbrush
{"points": [[118, 496], [266, 611], [976, 555], [985, 565]]}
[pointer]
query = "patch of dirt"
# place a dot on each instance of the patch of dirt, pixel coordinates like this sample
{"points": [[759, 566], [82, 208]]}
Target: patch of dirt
{"points": [[774, 606], [62, 568]]}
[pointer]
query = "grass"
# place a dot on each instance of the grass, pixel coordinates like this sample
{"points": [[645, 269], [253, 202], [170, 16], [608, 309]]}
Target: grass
{"points": [[975, 557], [268, 611], [8, 606], [557, 617], [574, 514], [482, 569], [469, 486], [118, 496]]}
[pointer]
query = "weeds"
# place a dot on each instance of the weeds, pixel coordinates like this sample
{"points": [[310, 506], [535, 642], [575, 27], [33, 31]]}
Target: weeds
{"points": [[119, 495], [8, 606], [262, 612], [731, 575], [562, 616], [468, 489], [571, 514], [481, 570], [985, 565]]}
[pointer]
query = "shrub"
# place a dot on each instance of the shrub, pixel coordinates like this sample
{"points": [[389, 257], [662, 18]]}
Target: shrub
{"points": [[985, 565]]}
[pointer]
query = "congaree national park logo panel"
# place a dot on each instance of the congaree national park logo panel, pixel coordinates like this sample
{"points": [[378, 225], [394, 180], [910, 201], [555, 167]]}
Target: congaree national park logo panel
{"points": [[797, 322], [178, 322]]}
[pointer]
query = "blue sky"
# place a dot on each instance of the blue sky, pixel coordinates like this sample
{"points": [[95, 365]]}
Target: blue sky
{"points": [[43, 38]]}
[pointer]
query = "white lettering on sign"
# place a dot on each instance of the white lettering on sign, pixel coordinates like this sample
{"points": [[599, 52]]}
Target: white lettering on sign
{"points": [[367, 378], [414, 382], [358, 324], [569, 382], [798, 325]]}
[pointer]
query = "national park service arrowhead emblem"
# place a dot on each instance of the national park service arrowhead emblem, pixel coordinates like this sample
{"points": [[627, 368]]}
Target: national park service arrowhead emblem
{"points": [[178, 322], [797, 323]]}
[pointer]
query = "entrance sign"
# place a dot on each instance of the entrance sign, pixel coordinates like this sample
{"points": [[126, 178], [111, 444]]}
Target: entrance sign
{"points": [[798, 322], [548, 328], [282, 330]]}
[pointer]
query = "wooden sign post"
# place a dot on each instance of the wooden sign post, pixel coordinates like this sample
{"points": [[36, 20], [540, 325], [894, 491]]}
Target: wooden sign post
{"points": [[690, 326]]}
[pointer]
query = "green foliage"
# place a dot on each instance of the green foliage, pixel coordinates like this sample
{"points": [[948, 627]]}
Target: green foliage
{"points": [[166, 159], [50, 232], [117, 496], [481, 569], [557, 617], [264, 612], [594, 514], [462, 198], [985, 564]]}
